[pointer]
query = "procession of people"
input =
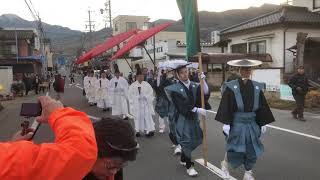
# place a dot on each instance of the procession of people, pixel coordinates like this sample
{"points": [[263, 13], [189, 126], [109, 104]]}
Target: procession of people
{"points": [[172, 98]]}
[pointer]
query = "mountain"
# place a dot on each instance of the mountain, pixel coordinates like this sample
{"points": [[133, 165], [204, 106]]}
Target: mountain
{"points": [[211, 21], [71, 42], [63, 39]]}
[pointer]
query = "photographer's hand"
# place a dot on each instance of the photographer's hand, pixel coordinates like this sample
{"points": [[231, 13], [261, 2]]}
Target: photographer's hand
{"points": [[19, 137], [48, 105]]}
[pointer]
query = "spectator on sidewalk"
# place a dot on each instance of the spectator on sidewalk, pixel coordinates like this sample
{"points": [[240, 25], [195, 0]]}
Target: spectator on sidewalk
{"points": [[58, 86], [27, 83], [300, 88], [36, 83], [71, 156], [72, 78], [116, 146]]}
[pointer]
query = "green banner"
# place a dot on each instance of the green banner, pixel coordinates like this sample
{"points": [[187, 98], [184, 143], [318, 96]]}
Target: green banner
{"points": [[189, 12]]}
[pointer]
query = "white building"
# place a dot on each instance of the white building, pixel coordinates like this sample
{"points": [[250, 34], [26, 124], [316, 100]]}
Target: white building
{"points": [[273, 34], [312, 5]]}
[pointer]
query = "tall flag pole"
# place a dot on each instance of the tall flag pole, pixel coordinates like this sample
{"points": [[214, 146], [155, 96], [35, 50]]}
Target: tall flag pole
{"points": [[190, 17], [189, 12]]}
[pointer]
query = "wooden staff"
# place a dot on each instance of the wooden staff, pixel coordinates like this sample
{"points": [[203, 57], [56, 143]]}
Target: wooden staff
{"points": [[203, 119]]}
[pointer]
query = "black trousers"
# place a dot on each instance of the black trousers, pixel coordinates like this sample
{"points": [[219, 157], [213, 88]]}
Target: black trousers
{"points": [[299, 105], [173, 139], [119, 175], [187, 160], [36, 89]]}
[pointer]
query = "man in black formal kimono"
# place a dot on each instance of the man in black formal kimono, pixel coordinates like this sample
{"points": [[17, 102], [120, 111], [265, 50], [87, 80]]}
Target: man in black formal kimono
{"points": [[244, 112]]}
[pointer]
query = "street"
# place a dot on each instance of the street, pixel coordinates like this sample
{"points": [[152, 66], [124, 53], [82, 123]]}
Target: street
{"points": [[291, 147]]}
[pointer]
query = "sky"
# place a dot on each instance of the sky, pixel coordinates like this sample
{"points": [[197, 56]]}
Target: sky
{"points": [[74, 13]]}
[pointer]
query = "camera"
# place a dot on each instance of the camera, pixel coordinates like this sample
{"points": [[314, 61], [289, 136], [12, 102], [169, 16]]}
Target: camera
{"points": [[28, 111]]}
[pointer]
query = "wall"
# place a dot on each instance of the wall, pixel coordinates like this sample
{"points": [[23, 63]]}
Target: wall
{"points": [[6, 78], [274, 43], [23, 48], [122, 19], [124, 67], [303, 3]]}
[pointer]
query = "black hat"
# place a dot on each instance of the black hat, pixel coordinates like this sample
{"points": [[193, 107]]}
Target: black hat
{"points": [[139, 70], [116, 68]]}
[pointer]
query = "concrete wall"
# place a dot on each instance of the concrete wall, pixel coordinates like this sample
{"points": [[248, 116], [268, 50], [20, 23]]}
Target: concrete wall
{"points": [[120, 22]]}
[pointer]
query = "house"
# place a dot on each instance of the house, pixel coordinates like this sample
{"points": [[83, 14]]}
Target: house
{"points": [[274, 33], [19, 49], [124, 23], [312, 5]]}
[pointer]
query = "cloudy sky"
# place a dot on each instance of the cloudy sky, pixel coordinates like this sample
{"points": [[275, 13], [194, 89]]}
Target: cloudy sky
{"points": [[74, 13]]}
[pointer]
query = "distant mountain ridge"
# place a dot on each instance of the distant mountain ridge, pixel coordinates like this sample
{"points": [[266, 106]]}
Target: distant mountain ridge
{"points": [[70, 41]]}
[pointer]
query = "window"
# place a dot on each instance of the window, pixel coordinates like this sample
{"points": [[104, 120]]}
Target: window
{"points": [[257, 47], [8, 48], [214, 67], [316, 4], [131, 25], [239, 48]]}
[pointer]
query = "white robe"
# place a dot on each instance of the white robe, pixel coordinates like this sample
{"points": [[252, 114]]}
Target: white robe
{"points": [[119, 96], [141, 106], [90, 89], [102, 94]]}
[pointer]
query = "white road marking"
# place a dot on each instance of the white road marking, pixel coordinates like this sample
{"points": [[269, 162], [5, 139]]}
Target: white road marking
{"points": [[295, 132], [285, 130], [213, 169], [79, 87]]}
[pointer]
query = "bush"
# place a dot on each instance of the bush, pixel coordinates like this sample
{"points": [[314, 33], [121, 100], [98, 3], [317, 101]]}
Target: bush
{"points": [[313, 99], [17, 88]]}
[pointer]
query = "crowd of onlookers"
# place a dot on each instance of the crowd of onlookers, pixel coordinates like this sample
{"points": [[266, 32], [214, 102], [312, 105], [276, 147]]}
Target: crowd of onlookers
{"points": [[25, 83]]}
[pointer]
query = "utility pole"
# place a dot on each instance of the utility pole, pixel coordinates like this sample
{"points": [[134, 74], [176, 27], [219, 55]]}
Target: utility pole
{"points": [[154, 50], [108, 16], [91, 26]]}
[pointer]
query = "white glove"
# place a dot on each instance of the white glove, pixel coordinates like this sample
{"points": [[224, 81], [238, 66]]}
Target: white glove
{"points": [[200, 111], [226, 129], [263, 129], [202, 76]]}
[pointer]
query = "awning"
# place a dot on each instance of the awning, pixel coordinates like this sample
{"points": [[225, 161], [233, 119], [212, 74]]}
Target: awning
{"points": [[139, 38], [108, 44]]}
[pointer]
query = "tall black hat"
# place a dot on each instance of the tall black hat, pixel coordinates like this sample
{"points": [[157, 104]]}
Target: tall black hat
{"points": [[116, 68], [138, 69]]}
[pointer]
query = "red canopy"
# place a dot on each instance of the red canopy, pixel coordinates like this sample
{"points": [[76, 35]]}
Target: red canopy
{"points": [[139, 38], [108, 44]]}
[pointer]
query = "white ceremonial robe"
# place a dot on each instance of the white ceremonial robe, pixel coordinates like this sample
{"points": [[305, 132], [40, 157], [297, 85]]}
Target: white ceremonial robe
{"points": [[90, 89], [102, 94], [119, 96], [141, 106]]}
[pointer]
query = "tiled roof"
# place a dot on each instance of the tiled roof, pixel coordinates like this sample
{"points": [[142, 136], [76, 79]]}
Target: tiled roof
{"points": [[21, 34], [284, 15]]}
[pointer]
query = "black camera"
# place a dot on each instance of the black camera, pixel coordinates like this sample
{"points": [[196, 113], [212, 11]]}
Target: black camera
{"points": [[30, 110]]}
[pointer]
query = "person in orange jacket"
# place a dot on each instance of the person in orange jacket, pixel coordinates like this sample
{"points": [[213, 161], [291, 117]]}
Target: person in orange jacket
{"points": [[117, 145], [71, 156]]}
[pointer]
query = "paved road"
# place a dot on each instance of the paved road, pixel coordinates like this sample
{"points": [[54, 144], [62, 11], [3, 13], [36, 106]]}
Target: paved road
{"points": [[288, 155]]}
